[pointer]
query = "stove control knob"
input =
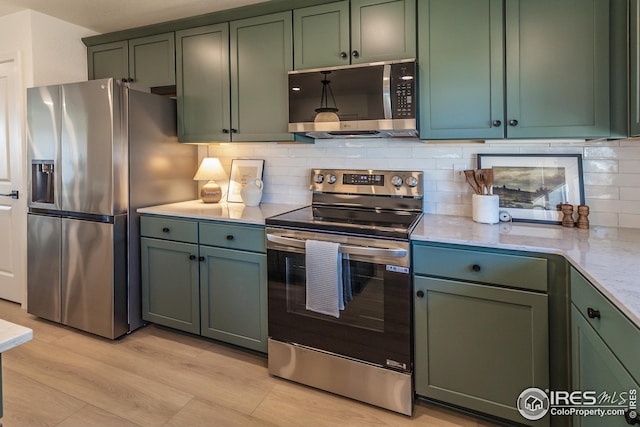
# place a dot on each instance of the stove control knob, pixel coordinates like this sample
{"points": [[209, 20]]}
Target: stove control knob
{"points": [[412, 181], [331, 179], [318, 178], [396, 181]]}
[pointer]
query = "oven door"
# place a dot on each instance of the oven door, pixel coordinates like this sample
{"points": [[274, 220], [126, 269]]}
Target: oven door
{"points": [[375, 325]]}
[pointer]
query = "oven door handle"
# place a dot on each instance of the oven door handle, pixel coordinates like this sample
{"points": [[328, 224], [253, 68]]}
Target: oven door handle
{"points": [[345, 249]]}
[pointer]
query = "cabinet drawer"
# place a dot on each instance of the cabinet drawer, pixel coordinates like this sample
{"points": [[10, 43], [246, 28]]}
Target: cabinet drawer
{"points": [[620, 334], [485, 267], [169, 229], [233, 237]]}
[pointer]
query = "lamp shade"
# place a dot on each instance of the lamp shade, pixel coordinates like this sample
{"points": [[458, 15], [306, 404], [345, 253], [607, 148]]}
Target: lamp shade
{"points": [[210, 170]]}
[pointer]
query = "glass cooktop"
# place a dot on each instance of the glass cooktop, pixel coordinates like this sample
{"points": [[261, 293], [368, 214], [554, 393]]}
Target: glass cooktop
{"points": [[382, 223]]}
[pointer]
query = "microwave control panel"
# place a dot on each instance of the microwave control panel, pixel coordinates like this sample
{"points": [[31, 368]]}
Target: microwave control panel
{"points": [[403, 90]]}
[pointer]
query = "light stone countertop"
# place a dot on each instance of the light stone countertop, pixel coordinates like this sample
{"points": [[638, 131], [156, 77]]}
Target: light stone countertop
{"points": [[12, 335], [232, 212], [608, 257]]}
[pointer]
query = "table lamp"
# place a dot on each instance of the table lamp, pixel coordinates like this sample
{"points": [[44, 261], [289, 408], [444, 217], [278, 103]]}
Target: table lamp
{"points": [[210, 170]]}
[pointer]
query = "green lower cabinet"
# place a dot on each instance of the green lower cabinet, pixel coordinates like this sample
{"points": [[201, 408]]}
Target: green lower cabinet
{"points": [[596, 368], [170, 284], [479, 346], [604, 352], [205, 277], [234, 297]]}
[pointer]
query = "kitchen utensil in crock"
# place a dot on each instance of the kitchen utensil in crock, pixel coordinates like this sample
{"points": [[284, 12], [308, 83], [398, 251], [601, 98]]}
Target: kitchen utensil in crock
{"points": [[488, 180], [479, 180], [471, 180]]}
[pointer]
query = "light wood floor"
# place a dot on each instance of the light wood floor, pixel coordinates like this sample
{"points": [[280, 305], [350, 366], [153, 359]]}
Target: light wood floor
{"points": [[156, 377]]}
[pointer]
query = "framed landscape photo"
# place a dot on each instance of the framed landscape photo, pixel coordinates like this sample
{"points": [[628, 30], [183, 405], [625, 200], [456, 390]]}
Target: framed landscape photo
{"points": [[533, 186], [241, 171]]}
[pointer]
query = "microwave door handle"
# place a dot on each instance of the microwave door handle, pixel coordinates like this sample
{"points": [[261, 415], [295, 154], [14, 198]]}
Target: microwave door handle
{"points": [[386, 91], [345, 249]]}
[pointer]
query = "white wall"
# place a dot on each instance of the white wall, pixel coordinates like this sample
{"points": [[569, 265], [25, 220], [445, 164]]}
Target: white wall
{"points": [[611, 169], [15, 36], [50, 49], [59, 56]]}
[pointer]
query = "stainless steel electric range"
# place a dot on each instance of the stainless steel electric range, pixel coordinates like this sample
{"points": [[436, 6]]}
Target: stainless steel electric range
{"points": [[339, 286]]}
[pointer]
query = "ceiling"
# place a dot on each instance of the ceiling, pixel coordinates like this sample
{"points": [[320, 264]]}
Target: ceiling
{"points": [[105, 16]]}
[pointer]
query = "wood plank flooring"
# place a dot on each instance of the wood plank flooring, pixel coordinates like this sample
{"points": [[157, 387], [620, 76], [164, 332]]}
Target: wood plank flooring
{"points": [[157, 377]]}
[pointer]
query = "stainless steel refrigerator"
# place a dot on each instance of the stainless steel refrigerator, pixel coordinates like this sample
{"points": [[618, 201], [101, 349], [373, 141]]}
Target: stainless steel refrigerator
{"points": [[97, 151]]}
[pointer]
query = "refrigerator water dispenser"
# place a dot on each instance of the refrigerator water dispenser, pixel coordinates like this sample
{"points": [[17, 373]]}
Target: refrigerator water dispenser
{"points": [[42, 184]]}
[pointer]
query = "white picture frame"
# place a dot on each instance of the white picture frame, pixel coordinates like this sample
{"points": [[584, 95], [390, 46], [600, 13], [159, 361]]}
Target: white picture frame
{"points": [[241, 171]]}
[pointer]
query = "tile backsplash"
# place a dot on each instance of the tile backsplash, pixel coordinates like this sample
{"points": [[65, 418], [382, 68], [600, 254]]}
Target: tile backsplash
{"points": [[611, 169]]}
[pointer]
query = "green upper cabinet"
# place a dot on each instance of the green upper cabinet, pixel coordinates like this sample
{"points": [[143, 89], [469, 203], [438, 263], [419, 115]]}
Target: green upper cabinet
{"points": [[461, 69], [358, 32], [203, 88], [232, 80], [555, 54], [109, 60], [152, 60], [321, 35], [634, 69], [149, 61], [261, 55], [382, 30]]}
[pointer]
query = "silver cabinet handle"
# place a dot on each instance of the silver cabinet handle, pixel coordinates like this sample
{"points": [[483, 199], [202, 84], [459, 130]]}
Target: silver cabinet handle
{"points": [[346, 249]]}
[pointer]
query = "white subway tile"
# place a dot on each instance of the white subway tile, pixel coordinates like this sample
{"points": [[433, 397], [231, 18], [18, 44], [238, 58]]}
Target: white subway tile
{"points": [[389, 153], [452, 186], [437, 152], [629, 166], [629, 221], [629, 193], [600, 165], [601, 192], [611, 168]]}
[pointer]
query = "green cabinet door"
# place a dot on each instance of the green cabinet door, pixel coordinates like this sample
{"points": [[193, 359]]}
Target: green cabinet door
{"points": [[370, 30], [202, 58], [152, 60], [478, 346], [461, 69], [556, 82], [108, 60], [596, 368], [382, 30], [234, 297], [557, 62], [321, 35], [634, 68], [170, 286], [261, 56]]}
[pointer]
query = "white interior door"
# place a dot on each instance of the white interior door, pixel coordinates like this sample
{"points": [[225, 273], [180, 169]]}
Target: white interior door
{"points": [[13, 218]]}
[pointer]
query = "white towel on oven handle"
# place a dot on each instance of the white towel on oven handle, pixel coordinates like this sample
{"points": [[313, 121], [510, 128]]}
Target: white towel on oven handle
{"points": [[324, 292]]}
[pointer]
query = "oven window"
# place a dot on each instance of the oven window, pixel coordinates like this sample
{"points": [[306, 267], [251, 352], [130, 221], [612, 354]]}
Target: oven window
{"points": [[363, 289]]}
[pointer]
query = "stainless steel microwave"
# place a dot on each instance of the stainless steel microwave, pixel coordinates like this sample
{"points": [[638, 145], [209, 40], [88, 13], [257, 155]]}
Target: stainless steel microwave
{"points": [[364, 100]]}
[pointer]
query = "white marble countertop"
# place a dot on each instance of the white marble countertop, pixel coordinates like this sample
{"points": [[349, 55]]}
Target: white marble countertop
{"points": [[12, 335], [233, 212], [608, 257]]}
